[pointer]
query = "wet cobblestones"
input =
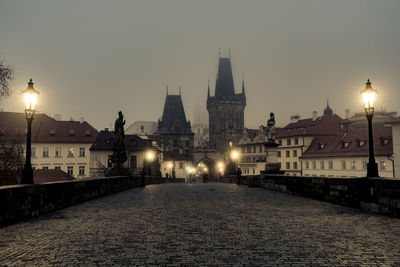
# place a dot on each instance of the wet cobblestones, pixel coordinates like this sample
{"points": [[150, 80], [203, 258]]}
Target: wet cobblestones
{"points": [[203, 224]]}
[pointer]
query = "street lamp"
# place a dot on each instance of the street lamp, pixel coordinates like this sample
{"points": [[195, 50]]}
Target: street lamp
{"points": [[235, 157], [30, 98], [220, 167], [150, 156], [368, 95]]}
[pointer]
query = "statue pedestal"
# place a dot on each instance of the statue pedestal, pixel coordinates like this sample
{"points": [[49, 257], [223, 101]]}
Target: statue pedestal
{"points": [[272, 166]]}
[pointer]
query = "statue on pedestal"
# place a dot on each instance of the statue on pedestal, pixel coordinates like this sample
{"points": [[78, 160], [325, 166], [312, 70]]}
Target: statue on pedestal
{"points": [[119, 151], [271, 132]]}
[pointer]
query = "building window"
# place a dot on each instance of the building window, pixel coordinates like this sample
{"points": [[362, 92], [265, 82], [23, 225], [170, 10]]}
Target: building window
{"points": [[295, 165], [288, 142], [57, 152], [133, 162], [307, 165], [33, 152], [364, 163], [70, 152], [254, 171], [260, 149], [322, 165], [109, 162], [45, 168], [280, 142], [82, 152], [45, 152], [382, 165], [287, 153], [296, 141], [81, 170], [180, 165], [287, 165], [314, 165], [70, 170], [254, 149], [343, 164], [353, 165], [248, 149], [279, 154], [294, 153], [57, 167], [330, 163]]}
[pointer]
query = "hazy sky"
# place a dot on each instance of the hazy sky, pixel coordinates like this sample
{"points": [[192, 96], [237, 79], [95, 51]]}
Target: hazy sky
{"points": [[92, 58]]}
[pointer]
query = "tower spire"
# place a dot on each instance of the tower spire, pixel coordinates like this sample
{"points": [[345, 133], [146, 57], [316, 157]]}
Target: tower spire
{"points": [[208, 91], [229, 53], [167, 89], [243, 91], [328, 110]]}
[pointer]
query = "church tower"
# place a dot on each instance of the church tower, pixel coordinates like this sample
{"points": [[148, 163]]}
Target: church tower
{"points": [[225, 109]]}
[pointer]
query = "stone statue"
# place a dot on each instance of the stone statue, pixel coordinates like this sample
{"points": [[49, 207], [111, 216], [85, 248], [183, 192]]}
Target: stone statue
{"points": [[271, 128], [119, 151]]}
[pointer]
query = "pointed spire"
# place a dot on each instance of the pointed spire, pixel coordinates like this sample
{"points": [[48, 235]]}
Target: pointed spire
{"points": [[229, 53], [167, 89], [208, 92], [328, 110], [219, 52], [243, 91]]}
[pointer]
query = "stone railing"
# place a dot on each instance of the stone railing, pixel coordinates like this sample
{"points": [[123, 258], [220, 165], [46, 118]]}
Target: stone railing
{"points": [[19, 202], [381, 195]]}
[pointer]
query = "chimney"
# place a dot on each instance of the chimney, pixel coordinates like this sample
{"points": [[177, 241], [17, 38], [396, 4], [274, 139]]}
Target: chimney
{"points": [[294, 118], [314, 115], [81, 120], [57, 117], [71, 119], [347, 113]]}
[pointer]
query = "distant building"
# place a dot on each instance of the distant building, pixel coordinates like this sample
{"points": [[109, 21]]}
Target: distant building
{"points": [[101, 152], [226, 109], [346, 154], [47, 176], [142, 128], [60, 145], [381, 117], [252, 151], [296, 137], [173, 128], [396, 146]]}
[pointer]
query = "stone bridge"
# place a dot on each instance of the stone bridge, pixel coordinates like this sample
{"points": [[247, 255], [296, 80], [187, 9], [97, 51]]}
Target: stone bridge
{"points": [[203, 224]]}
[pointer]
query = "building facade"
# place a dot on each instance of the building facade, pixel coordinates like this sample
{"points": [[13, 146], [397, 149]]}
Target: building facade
{"points": [[101, 152], [142, 128], [60, 145], [225, 109], [395, 158], [346, 154]]}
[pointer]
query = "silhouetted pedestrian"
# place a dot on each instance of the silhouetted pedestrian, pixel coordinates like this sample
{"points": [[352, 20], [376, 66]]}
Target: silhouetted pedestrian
{"points": [[238, 176]]}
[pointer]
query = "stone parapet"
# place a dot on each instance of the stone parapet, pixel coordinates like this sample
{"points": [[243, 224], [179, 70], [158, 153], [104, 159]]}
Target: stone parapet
{"points": [[19, 202]]}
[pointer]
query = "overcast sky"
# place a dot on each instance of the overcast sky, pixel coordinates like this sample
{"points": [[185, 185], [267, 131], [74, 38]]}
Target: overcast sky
{"points": [[92, 58]]}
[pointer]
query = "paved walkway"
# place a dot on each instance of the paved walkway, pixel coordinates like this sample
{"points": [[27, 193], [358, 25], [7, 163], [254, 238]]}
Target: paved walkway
{"points": [[203, 224]]}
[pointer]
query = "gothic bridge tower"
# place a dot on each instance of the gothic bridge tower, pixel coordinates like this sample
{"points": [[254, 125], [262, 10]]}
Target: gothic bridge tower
{"points": [[225, 109]]}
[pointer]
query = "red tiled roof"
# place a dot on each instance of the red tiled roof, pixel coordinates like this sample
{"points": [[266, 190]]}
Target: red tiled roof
{"points": [[46, 176], [354, 143], [48, 130], [323, 125]]}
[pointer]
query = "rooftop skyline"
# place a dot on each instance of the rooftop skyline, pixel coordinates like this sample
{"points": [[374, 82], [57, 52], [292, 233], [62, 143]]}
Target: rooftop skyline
{"points": [[91, 59]]}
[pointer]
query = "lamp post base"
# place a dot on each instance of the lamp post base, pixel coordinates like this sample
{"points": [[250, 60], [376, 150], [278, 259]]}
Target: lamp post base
{"points": [[27, 176], [372, 170]]}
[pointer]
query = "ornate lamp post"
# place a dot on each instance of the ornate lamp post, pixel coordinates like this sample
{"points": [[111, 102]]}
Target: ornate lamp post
{"points": [[368, 95], [30, 97]]}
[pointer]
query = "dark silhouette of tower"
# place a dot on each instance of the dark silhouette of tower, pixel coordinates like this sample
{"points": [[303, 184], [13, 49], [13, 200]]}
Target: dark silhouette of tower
{"points": [[175, 131], [225, 109]]}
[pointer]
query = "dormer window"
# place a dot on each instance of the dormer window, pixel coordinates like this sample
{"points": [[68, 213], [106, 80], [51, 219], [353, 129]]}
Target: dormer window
{"points": [[360, 143], [384, 140], [88, 132], [52, 132], [345, 144], [71, 132], [321, 146]]}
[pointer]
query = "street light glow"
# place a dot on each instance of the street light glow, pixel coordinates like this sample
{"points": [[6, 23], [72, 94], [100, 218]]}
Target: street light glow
{"points": [[369, 95], [30, 98], [150, 155], [234, 154]]}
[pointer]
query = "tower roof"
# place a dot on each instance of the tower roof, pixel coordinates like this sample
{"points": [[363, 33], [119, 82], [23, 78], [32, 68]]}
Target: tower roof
{"points": [[328, 110], [224, 84], [174, 113]]}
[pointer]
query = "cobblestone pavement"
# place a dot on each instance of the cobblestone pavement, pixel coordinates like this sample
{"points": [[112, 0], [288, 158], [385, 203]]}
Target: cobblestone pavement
{"points": [[203, 224]]}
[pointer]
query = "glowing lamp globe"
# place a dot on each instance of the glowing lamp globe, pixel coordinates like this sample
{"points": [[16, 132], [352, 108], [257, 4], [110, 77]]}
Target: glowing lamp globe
{"points": [[30, 98], [369, 95]]}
